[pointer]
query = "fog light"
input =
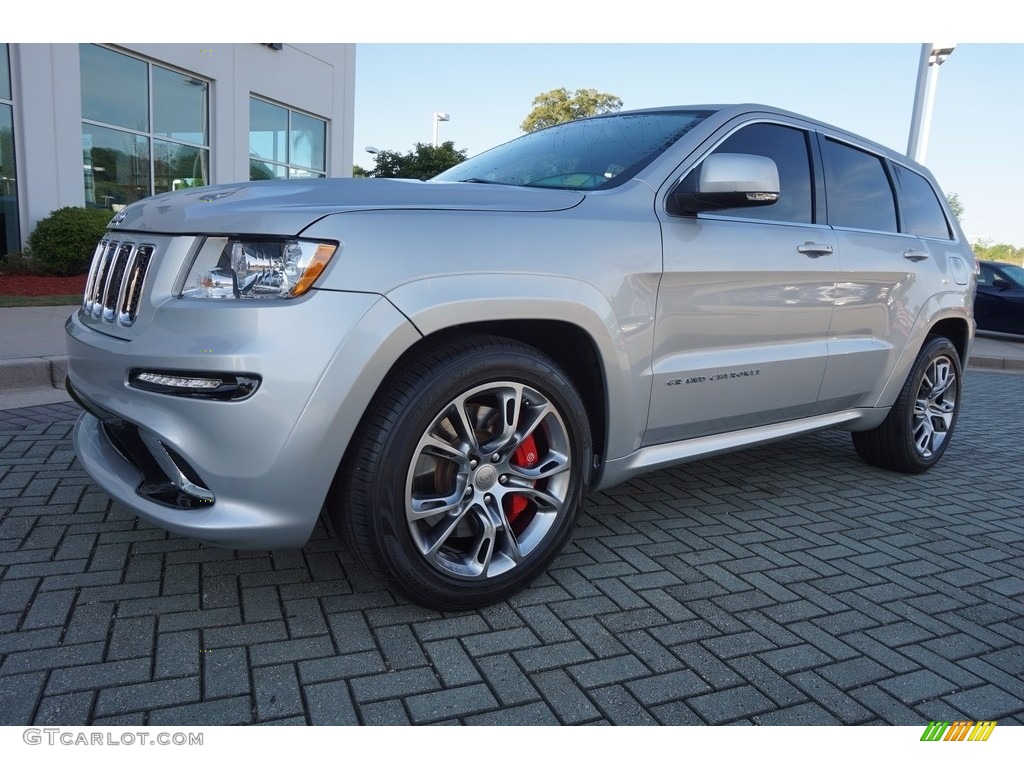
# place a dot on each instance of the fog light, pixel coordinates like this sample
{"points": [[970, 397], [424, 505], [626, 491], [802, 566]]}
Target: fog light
{"points": [[203, 386], [179, 381]]}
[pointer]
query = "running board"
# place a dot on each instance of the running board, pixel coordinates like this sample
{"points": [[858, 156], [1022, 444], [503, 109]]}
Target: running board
{"points": [[666, 455]]}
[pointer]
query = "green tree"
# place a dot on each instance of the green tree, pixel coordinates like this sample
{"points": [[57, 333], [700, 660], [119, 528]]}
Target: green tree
{"points": [[955, 205], [986, 250], [561, 106], [424, 162]]}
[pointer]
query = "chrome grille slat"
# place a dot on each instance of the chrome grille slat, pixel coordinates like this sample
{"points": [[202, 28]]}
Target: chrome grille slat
{"points": [[131, 288], [91, 279], [101, 278], [117, 269], [113, 289]]}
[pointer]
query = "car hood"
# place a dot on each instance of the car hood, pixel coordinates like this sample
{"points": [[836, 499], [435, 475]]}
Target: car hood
{"points": [[286, 207]]}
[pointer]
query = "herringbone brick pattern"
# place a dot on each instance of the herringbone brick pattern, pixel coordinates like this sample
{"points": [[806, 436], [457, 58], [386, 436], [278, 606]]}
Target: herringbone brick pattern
{"points": [[785, 585]]}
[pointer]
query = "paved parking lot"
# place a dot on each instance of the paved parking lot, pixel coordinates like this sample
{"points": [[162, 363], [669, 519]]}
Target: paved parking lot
{"points": [[785, 585]]}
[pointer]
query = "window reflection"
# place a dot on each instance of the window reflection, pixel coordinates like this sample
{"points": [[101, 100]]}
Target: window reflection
{"points": [[115, 88], [284, 143], [179, 106], [10, 239], [116, 166], [10, 234], [124, 157]]}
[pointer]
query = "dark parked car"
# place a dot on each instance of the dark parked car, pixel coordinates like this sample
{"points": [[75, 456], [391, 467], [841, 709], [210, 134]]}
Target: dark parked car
{"points": [[999, 305]]}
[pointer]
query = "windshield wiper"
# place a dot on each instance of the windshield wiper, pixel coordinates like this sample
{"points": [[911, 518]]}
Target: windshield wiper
{"points": [[474, 180]]}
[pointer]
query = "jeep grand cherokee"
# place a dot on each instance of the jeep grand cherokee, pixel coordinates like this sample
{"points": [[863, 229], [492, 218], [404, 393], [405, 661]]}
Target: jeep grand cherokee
{"points": [[448, 366]]}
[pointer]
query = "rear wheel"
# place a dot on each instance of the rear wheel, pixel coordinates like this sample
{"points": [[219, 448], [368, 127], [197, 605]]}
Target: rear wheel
{"points": [[469, 473], [919, 427]]}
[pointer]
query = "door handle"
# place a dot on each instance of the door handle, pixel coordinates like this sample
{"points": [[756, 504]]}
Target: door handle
{"points": [[814, 250], [912, 255]]}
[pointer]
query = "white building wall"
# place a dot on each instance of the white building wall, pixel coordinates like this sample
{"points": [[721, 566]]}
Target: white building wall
{"points": [[46, 89]]}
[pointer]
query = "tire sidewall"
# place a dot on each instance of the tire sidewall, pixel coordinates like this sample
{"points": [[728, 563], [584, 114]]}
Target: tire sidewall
{"points": [[390, 529], [939, 347]]}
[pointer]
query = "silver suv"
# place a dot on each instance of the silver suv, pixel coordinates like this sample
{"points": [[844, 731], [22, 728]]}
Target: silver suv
{"points": [[450, 365]]}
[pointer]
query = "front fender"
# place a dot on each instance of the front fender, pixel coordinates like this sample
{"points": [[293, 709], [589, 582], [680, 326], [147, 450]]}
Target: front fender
{"points": [[624, 349]]}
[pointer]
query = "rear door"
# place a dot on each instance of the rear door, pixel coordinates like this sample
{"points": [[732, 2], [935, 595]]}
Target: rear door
{"points": [[888, 272]]}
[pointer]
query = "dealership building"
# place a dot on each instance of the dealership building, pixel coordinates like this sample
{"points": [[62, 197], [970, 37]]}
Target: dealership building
{"points": [[103, 125]]}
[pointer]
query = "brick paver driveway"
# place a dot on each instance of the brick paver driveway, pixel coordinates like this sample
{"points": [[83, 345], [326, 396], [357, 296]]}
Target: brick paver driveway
{"points": [[789, 584]]}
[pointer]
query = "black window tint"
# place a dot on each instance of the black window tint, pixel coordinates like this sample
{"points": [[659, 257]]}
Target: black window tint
{"points": [[859, 193], [788, 148], [922, 212], [985, 275]]}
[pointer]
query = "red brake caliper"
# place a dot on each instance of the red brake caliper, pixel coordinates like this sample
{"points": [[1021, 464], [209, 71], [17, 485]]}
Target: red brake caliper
{"points": [[526, 457]]}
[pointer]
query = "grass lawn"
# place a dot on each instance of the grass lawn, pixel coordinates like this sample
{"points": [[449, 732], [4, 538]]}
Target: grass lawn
{"points": [[41, 301]]}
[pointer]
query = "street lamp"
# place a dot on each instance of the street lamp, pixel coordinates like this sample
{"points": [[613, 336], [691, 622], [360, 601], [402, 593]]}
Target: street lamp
{"points": [[932, 57], [440, 117], [373, 150]]}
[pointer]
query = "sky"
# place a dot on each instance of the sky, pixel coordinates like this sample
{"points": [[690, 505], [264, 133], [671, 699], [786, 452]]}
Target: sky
{"points": [[974, 147]]}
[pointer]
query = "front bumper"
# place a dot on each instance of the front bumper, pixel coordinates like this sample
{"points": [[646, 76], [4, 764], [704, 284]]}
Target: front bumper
{"points": [[263, 464]]}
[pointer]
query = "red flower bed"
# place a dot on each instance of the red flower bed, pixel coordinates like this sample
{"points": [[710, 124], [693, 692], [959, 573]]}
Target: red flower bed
{"points": [[32, 285]]}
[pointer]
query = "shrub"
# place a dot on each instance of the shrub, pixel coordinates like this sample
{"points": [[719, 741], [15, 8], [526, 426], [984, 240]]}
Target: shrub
{"points": [[63, 242], [17, 264]]}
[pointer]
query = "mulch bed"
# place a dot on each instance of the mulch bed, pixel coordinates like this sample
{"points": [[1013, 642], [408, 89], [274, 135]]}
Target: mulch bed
{"points": [[32, 285]]}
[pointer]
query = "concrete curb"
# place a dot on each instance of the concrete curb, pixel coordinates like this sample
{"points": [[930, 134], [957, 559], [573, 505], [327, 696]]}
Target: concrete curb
{"points": [[996, 363], [33, 372]]}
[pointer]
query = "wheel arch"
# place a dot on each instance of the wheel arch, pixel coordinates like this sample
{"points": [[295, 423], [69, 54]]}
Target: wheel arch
{"points": [[570, 321], [951, 322], [958, 331]]}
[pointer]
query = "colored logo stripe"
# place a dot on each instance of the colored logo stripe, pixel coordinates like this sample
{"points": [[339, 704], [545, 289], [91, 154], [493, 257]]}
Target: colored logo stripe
{"points": [[959, 730]]}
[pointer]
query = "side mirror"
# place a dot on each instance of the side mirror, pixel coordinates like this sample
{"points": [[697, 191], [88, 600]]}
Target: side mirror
{"points": [[727, 180], [1001, 284]]}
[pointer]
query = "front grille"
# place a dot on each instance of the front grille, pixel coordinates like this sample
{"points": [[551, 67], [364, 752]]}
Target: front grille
{"points": [[113, 290]]}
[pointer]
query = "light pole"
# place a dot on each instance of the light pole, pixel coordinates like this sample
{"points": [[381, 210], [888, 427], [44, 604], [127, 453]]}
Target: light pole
{"points": [[932, 57], [440, 117]]}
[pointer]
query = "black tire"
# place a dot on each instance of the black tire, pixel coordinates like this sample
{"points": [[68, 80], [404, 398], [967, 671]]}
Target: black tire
{"points": [[920, 425], [462, 512]]}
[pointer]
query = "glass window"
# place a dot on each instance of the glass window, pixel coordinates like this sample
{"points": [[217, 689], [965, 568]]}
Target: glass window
{"points": [[788, 147], [308, 137], [5, 73], [596, 153], [115, 88], [268, 131], [116, 166], [921, 209], [10, 232], [178, 166], [125, 156], [284, 143], [179, 106], [859, 193]]}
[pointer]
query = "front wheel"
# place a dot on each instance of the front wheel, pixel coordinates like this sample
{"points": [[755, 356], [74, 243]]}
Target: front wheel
{"points": [[919, 427], [468, 475]]}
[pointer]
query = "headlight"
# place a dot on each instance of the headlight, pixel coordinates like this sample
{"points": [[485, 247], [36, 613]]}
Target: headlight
{"points": [[233, 268]]}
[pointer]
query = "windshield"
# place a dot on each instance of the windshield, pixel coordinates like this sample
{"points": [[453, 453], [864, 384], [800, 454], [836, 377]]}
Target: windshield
{"points": [[584, 154], [1015, 273]]}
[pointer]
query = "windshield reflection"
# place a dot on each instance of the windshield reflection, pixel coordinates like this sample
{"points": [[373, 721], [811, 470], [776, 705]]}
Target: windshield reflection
{"points": [[593, 153]]}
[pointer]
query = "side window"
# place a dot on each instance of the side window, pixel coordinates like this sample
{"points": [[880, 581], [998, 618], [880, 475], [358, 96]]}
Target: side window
{"points": [[860, 195], [922, 212], [985, 275], [788, 147]]}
